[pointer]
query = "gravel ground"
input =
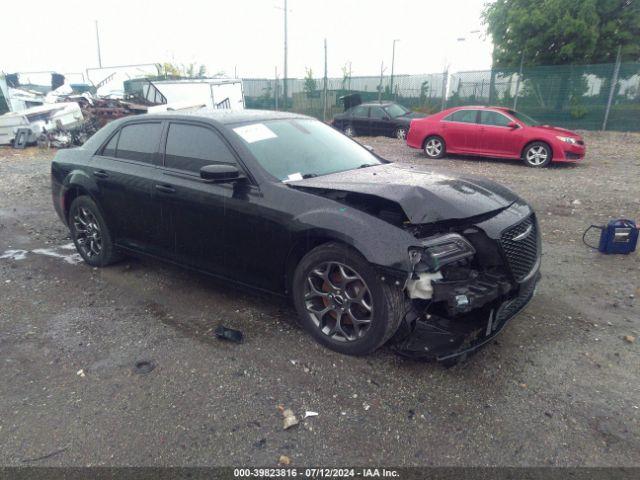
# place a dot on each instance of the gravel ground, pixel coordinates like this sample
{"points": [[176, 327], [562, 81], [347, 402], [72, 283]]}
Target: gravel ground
{"points": [[558, 387]]}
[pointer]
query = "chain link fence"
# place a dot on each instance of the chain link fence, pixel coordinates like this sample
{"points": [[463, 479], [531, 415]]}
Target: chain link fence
{"points": [[571, 96]]}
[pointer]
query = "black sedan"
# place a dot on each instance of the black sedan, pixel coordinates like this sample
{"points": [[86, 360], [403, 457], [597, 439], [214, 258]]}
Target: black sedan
{"points": [[368, 250], [375, 119]]}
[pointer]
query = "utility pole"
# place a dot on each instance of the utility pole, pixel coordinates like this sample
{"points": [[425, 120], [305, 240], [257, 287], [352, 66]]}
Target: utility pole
{"points": [[612, 90], [98, 42], [285, 56], [324, 110], [393, 61], [275, 90], [380, 86], [515, 98]]}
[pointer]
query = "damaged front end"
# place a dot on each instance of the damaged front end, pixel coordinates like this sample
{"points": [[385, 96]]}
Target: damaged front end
{"points": [[467, 282]]}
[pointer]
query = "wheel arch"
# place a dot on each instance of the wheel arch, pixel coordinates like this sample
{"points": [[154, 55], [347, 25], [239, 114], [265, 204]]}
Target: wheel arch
{"points": [[77, 184], [303, 245], [429, 135]]}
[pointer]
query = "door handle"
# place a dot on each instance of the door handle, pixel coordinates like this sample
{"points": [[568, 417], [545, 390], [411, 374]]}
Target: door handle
{"points": [[166, 188], [100, 174]]}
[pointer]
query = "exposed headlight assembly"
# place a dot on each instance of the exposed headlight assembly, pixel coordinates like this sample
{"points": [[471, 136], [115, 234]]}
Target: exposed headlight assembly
{"points": [[441, 250], [570, 140]]}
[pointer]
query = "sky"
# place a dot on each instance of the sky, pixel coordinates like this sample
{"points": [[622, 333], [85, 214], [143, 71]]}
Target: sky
{"points": [[247, 36]]}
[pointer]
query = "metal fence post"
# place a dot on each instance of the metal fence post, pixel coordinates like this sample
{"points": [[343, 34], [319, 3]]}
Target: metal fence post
{"points": [[515, 98], [324, 109], [614, 82], [445, 79]]}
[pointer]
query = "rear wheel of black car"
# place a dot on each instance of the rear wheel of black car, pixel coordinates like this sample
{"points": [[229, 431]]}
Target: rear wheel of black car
{"points": [[400, 133], [349, 131], [342, 302], [537, 155], [90, 233], [434, 147]]}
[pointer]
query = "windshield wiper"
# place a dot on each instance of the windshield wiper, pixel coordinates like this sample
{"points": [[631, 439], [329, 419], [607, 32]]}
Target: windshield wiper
{"points": [[309, 175], [365, 165]]}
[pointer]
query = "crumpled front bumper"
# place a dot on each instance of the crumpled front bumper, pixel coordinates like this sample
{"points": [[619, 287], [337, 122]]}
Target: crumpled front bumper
{"points": [[430, 337]]}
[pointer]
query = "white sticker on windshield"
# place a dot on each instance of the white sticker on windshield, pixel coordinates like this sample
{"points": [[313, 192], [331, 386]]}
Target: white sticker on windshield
{"points": [[293, 177], [255, 132]]}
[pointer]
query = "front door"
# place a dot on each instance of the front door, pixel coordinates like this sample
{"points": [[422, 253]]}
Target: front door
{"points": [[497, 138], [360, 120], [380, 123]]}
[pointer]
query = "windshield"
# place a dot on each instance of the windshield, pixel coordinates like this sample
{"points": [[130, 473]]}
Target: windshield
{"points": [[396, 110], [526, 119], [296, 149]]}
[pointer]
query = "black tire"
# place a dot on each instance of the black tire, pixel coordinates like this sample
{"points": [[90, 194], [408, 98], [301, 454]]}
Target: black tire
{"points": [[387, 302], [434, 141], [537, 155], [92, 233], [401, 133], [349, 131]]}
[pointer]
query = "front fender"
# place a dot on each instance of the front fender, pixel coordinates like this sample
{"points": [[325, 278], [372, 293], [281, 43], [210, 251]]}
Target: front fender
{"points": [[381, 243]]}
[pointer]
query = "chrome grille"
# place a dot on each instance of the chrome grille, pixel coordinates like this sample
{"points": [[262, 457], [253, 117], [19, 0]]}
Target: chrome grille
{"points": [[520, 246]]}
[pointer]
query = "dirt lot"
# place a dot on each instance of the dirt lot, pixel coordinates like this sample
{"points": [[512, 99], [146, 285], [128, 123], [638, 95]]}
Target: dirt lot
{"points": [[559, 387]]}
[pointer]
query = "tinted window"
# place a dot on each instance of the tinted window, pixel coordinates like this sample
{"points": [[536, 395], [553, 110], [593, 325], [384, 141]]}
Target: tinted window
{"points": [[360, 111], [139, 142], [377, 112], [466, 116], [493, 118], [190, 147], [109, 149], [395, 110]]}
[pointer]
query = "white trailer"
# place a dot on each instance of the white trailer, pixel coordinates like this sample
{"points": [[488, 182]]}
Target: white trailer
{"points": [[226, 93]]}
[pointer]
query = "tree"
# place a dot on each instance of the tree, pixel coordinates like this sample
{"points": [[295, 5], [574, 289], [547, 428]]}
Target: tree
{"points": [[168, 69], [558, 32], [310, 84]]}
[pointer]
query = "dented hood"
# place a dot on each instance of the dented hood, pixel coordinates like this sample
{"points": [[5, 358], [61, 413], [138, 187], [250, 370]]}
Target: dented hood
{"points": [[424, 196]]}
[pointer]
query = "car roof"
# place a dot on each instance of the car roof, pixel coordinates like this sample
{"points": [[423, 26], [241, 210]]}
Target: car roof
{"points": [[226, 117], [381, 103]]}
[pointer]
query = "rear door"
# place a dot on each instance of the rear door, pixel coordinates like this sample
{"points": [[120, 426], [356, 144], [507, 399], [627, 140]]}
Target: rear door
{"points": [[461, 131], [497, 138], [124, 170]]}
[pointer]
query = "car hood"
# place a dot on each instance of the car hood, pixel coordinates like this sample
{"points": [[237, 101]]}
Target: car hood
{"points": [[425, 197], [557, 130]]}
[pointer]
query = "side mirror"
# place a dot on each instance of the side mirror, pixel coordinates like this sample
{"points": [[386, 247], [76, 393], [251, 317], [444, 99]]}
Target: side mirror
{"points": [[220, 173], [513, 125]]}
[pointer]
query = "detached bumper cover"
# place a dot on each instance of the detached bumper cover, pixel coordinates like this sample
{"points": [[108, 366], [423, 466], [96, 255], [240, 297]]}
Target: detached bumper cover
{"points": [[438, 338]]}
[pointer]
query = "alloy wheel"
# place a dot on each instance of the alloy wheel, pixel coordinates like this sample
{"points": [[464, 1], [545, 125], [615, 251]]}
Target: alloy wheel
{"points": [[87, 232], [537, 155], [349, 132], [338, 301], [433, 147], [401, 133]]}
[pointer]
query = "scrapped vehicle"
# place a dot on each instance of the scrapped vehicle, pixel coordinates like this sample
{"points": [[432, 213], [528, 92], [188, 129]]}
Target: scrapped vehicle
{"points": [[494, 132], [286, 204], [375, 119]]}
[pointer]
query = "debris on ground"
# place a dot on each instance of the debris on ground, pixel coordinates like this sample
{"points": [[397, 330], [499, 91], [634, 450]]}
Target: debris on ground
{"points": [[284, 460], [142, 367], [629, 338], [290, 419], [230, 334], [80, 373], [309, 413]]}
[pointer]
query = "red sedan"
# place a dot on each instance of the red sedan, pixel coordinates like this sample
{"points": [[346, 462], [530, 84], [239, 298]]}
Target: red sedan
{"points": [[494, 132]]}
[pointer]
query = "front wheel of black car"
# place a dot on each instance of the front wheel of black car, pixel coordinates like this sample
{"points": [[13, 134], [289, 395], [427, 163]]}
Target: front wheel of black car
{"points": [[434, 147], [90, 233], [343, 303]]}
